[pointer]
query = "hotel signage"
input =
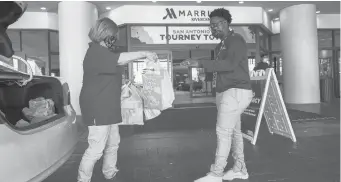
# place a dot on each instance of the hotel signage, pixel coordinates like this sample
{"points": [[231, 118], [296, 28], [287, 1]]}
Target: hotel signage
{"points": [[193, 15]]}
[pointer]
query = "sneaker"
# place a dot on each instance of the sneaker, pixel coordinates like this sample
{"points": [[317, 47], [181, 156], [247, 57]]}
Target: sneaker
{"points": [[111, 176], [210, 178], [116, 177], [231, 175]]}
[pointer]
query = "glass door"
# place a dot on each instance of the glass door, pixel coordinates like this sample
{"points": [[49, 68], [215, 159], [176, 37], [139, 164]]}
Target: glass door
{"points": [[201, 81], [337, 73], [326, 74]]}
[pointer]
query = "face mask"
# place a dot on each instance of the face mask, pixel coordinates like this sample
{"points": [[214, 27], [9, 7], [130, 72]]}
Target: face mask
{"points": [[110, 42]]}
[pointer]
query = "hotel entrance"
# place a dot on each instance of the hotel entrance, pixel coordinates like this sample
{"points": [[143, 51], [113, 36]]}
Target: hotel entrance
{"points": [[191, 85]]}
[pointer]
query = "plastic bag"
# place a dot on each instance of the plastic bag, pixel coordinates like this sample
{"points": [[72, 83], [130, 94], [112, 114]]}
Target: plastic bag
{"points": [[39, 109], [22, 123], [131, 105], [157, 87], [151, 113]]}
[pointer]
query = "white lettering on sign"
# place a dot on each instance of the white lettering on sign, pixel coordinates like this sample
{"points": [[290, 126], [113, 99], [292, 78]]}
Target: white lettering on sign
{"points": [[256, 100], [257, 73]]}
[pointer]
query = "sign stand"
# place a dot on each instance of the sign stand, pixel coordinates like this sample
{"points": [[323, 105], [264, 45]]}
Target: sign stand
{"points": [[271, 106]]}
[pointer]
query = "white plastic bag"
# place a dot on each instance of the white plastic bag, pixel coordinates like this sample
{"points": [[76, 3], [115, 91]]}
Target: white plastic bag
{"points": [[131, 106], [157, 87], [151, 113]]}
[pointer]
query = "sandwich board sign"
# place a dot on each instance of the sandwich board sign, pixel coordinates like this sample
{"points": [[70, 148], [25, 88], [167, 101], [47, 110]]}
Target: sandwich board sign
{"points": [[268, 102]]}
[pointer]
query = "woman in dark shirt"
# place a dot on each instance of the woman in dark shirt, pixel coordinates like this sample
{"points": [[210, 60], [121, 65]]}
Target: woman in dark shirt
{"points": [[100, 97]]}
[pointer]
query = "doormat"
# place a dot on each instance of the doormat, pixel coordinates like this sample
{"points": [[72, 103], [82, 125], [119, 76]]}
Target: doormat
{"points": [[299, 116]]}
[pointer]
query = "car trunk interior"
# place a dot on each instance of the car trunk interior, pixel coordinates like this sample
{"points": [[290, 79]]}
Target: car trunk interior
{"points": [[15, 98]]}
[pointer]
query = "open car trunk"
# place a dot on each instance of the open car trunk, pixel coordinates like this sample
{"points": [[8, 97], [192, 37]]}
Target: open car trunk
{"points": [[14, 98]]}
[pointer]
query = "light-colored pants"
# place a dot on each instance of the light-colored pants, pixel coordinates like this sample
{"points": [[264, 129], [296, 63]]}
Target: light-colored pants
{"points": [[230, 104], [101, 139]]}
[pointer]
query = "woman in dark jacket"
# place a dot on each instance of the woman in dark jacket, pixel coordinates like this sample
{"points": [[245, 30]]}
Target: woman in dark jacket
{"points": [[100, 97]]}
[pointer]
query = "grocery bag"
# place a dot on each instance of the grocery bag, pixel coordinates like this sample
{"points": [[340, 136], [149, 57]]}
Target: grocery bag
{"points": [[131, 105], [39, 109], [157, 87], [151, 113]]}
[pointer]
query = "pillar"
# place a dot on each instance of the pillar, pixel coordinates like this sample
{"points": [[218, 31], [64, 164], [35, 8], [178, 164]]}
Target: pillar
{"points": [[75, 21], [300, 54]]}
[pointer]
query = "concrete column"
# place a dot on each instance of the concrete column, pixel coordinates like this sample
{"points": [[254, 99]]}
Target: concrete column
{"points": [[75, 21], [300, 54]]}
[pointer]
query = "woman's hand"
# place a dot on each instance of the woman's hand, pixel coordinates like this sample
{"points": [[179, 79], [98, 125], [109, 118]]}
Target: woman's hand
{"points": [[152, 56]]}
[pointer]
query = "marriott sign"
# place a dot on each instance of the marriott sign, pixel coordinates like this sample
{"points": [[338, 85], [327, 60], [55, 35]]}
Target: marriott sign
{"points": [[194, 15]]}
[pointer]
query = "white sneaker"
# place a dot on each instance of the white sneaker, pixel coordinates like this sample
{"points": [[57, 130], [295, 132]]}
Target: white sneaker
{"points": [[231, 175], [210, 178]]}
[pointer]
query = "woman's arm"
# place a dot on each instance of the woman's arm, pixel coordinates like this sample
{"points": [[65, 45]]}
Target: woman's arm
{"points": [[127, 57]]}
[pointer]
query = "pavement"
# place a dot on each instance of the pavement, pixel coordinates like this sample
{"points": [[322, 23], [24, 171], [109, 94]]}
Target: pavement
{"points": [[179, 146]]}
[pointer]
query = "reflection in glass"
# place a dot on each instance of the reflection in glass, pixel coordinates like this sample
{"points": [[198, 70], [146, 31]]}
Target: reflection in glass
{"points": [[324, 38], [55, 70], [35, 44], [325, 60], [337, 38], [201, 82], [54, 41], [275, 42], [252, 63]]}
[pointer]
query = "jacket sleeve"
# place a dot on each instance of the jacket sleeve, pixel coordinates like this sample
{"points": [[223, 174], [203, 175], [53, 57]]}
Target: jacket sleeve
{"points": [[235, 54]]}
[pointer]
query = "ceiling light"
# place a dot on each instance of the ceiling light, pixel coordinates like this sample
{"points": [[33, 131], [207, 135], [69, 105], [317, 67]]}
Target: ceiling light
{"points": [[317, 11], [43, 8], [198, 1], [241, 2], [108, 8], [154, 1], [270, 10]]}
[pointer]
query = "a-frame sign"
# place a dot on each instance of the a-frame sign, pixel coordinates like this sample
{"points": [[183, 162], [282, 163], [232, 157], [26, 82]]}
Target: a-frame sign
{"points": [[267, 102]]}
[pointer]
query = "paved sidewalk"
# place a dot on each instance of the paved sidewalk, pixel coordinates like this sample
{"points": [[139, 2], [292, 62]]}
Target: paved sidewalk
{"points": [[183, 152]]}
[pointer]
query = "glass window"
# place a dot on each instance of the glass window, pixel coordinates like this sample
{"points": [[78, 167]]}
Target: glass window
{"points": [[252, 63], [276, 42], [337, 38], [54, 41], [55, 65], [122, 38], [248, 32], [180, 55], [14, 35], [141, 35], [264, 41], [325, 60], [324, 38], [35, 45], [201, 54]]}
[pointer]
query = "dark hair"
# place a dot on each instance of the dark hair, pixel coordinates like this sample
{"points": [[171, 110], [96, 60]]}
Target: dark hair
{"points": [[221, 12]]}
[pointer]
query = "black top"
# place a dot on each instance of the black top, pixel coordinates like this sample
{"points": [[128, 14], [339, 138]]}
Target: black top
{"points": [[231, 64], [100, 97]]}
